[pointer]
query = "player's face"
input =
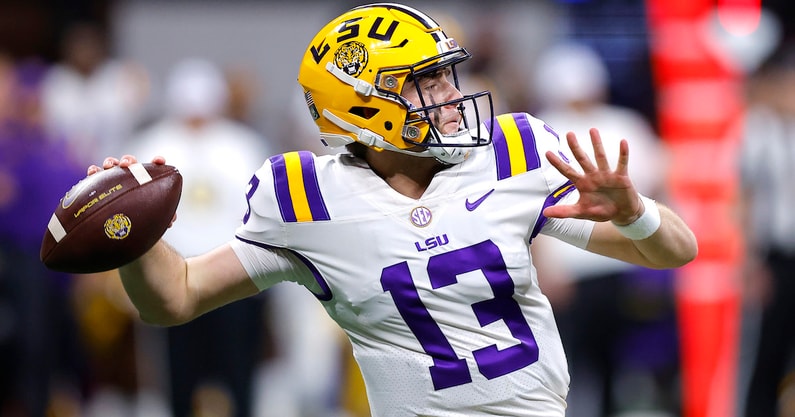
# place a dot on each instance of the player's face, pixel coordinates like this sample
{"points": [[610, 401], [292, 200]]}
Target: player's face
{"points": [[436, 87]]}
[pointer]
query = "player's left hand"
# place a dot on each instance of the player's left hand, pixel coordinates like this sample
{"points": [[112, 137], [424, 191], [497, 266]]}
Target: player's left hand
{"points": [[605, 194]]}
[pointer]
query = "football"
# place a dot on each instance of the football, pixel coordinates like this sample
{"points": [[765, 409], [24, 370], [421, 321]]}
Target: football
{"points": [[111, 218]]}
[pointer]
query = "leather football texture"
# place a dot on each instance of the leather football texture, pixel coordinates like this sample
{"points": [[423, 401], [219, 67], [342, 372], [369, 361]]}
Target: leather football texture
{"points": [[111, 218]]}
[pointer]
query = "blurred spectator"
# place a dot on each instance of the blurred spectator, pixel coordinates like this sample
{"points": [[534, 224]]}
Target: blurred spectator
{"points": [[767, 167], [92, 99], [40, 357], [243, 87], [493, 68], [617, 321], [217, 157]]}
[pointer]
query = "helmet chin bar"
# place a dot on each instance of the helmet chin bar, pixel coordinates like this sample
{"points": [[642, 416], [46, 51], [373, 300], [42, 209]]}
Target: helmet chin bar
{"points": [[452, 154]]}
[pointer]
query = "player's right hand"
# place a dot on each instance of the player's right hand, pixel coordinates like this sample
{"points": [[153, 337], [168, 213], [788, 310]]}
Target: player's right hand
{"points": [[124, 162]]}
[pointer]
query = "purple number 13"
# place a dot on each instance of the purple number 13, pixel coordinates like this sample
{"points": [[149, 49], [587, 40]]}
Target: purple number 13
{"points": [[448, 369]]}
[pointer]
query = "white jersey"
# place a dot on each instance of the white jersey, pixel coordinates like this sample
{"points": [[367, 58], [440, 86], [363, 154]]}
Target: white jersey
{"points": [[438, 294]]}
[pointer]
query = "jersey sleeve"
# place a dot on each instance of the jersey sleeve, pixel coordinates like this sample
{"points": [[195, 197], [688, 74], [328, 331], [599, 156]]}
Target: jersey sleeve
{"points": [[265, 266], [261, 221], [269, 266], [576, 232], [283, 191]]}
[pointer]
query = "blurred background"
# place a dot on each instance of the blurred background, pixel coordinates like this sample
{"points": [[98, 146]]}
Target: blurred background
{"points": [[704, 90]]}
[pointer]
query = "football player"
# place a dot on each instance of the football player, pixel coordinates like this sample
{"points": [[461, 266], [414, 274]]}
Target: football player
{"points": [[416, 240]]}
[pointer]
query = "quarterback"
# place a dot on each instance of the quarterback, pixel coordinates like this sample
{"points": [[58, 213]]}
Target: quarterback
{"points": [[416, 240]]}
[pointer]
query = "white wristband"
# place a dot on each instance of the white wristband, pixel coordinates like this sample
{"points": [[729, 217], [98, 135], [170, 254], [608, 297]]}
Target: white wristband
{"points": [[645, 225]]}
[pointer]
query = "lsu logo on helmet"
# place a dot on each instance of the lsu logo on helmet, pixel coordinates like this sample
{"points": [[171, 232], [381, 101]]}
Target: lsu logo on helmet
{"points": [[351, 57]]}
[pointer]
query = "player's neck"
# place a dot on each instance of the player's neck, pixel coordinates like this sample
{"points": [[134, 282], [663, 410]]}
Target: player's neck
{"points": [[406, 174]]}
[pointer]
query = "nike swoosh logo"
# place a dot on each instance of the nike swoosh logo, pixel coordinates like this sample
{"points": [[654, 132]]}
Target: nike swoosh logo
{"points": [[473, 205]]}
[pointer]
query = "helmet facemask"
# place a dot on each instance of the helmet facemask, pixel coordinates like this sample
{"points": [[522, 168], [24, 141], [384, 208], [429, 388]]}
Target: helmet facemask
{"points": [[448, 147], [422, 125]]}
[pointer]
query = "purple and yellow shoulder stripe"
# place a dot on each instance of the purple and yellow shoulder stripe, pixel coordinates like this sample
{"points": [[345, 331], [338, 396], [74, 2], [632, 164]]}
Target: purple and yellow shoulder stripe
{"points": [[297, 189], [514, 145]]}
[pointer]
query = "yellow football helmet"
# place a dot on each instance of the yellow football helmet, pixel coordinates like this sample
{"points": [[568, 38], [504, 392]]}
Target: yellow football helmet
{"points": [[355, 68]]}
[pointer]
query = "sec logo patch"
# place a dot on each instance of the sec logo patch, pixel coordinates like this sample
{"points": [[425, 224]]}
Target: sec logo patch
{"points": [[420, 216]]}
